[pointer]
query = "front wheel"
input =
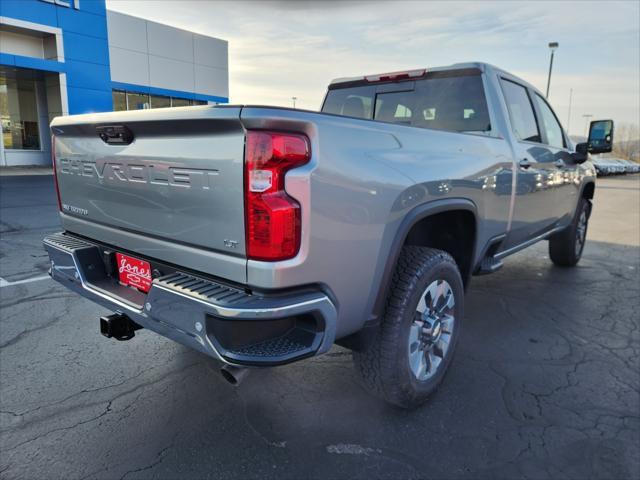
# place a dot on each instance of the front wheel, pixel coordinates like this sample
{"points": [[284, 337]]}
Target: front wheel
{"points": [[565, 248], [419, 331]]}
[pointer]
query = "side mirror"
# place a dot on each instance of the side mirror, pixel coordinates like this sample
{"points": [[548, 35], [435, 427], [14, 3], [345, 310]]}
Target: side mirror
{"points": [[600, 136], [581, 153]]}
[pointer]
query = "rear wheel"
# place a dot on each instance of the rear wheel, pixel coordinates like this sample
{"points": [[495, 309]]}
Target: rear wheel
{"points": [[565, 248], [418, 333]]}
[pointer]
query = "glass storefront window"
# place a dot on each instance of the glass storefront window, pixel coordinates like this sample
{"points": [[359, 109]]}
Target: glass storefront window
{"points": [[19, 114], [180, 102], [119, 101], [137, 101], [158, 101]]}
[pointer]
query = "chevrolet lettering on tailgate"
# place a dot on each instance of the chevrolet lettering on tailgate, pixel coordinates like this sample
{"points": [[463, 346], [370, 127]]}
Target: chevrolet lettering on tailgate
{"points": [[139, 173]]}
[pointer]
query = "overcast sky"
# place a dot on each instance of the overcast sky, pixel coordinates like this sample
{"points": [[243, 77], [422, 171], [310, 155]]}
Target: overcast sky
{"points": [[280, 49]]}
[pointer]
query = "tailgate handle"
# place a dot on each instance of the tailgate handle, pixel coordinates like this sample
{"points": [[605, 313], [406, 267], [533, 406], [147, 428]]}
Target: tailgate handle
{"points": [[115, 134]]}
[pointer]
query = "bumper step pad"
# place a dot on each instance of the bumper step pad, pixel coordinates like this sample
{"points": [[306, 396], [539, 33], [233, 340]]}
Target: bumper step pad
{"points": [[277, 347], [204, 289]]}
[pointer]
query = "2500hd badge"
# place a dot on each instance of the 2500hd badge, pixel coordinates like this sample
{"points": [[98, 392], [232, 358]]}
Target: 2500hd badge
{"points": [[77, 210]]}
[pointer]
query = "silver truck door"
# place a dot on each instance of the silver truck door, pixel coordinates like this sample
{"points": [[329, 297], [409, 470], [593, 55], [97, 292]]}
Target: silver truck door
{"points": [[567, 189], [536, 173]]}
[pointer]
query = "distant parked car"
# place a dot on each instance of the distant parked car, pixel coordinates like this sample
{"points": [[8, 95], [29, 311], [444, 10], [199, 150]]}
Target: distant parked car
{"points": [[608, 166], [602, 166], [631, 167], [613, 166], [622, 166], [617, 168]]}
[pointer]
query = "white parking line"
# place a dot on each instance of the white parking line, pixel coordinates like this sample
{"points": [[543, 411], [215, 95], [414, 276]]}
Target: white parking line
{"points": [[5, 283]]}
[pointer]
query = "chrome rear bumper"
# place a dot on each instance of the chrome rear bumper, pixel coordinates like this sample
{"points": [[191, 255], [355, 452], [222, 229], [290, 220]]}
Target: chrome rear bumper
{"points": [[224, 322]]}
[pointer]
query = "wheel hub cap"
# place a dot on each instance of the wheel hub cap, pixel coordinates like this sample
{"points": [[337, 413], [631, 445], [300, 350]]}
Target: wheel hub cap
{"points": [[432, 328], [431, 331]]}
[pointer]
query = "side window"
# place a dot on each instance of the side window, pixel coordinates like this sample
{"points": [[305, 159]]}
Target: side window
{"points": [[550, 124], [523, 120]]}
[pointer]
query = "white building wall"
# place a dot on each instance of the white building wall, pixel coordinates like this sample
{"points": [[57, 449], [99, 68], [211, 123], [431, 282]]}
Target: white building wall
{"points": [[154, 55]]}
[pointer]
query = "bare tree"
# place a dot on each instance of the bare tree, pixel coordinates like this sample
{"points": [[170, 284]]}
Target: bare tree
{"points": [[627, 141]]}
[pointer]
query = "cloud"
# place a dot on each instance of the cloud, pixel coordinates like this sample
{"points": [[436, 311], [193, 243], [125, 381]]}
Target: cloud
{"points": [[280, 49]]}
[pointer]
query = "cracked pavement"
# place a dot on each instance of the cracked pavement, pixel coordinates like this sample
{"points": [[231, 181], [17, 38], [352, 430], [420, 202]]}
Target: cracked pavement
{"points": [[545, 383]]}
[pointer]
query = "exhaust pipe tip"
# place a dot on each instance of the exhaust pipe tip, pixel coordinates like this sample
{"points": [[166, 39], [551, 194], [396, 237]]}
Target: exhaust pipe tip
{"points": [[234, 375]]}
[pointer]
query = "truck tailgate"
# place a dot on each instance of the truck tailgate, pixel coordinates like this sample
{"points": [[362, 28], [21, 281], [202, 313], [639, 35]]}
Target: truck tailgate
{"points": [[175, 192]]}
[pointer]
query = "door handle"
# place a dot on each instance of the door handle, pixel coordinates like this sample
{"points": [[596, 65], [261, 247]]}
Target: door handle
{"points": [[525, 163], [560, 163]]}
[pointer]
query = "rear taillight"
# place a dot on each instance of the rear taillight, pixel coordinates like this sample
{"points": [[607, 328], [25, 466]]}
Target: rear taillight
{"points": [[272, 217], [55, 174]]}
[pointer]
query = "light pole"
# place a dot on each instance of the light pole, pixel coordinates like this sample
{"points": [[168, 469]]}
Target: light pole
{"points": [[586, 116], [294, 101], [552, 46], [569, 114]]}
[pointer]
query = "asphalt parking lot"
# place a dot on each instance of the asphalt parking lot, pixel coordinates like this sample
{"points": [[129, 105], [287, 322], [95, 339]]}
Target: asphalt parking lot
{"points": [[545, 383]]}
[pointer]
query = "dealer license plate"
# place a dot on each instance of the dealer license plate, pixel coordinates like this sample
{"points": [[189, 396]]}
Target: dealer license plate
{"points": [[134, 272]]}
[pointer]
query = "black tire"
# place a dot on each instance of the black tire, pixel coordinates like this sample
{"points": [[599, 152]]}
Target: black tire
{"points": [[566, 247], [384, 367]]}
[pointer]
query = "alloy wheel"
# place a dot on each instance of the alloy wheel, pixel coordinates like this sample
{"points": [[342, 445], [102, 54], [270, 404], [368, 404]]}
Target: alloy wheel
{"points": [[581, 233], [431, 331]]}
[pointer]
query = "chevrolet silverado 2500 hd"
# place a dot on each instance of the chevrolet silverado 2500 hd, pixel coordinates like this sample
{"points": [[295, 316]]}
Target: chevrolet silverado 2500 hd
{"points": [[262, 236]]}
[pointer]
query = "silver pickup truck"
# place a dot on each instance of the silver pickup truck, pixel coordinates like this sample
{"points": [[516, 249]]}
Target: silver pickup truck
{"points": [[262, 236]]}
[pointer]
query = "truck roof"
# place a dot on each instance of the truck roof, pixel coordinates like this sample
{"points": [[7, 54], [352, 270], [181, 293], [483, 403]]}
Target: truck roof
{"points": [[482, 66]]}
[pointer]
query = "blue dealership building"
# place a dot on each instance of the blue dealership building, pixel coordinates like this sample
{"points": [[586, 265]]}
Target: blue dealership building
{"points": [[60, 57]]}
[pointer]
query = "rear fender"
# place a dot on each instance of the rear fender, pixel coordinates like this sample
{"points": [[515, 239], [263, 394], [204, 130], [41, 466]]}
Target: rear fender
{"points": [[412, 218], [389, 259]]}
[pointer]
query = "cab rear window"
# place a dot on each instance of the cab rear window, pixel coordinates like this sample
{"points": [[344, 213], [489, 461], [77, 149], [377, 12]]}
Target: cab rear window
{"points": [[453, 103]]}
